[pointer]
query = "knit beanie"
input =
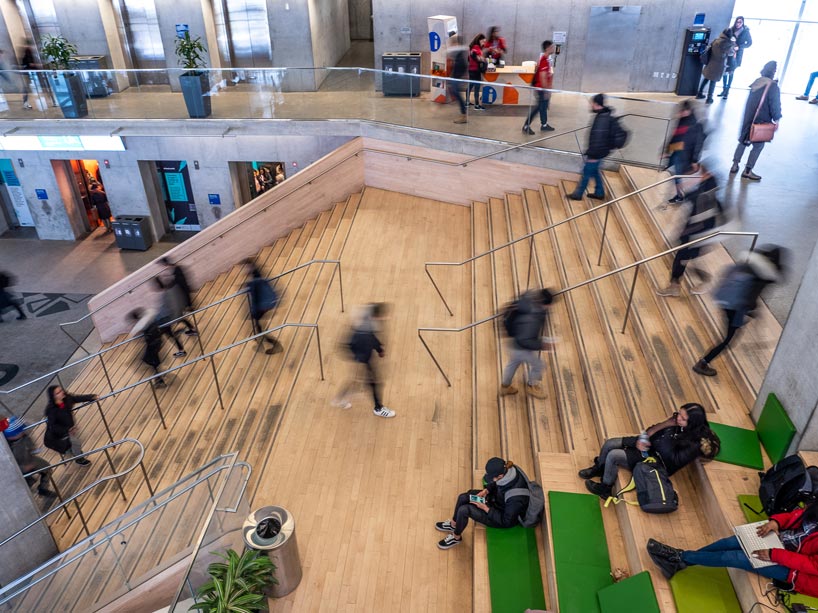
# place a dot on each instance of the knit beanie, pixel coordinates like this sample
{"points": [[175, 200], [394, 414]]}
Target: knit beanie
{"points": [[599, 99], [14, 427], [769, 69]]}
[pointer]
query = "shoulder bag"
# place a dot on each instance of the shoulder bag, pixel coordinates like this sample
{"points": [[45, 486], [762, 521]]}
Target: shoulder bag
{"points": [[762, 132]]}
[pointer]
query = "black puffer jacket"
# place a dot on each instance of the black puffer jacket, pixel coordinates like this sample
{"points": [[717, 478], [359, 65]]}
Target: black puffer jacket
{"points": [[599, 139], [507, 513], [674, 451], [528, 323]]}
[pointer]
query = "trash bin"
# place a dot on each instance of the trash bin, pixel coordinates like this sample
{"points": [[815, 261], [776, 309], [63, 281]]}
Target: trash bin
{"points": [[402, 65], [272, 531], [132, 232]]}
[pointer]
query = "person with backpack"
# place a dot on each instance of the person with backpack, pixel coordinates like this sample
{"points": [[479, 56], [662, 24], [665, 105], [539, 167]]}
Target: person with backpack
{"points": [[606, 134], [716, 61], [60, 430], [676, 442], [795, 566], [543, 80], [737, 295], [362, 343], [524, 321], [704, 214], [460, 70], [503, 502], [685, 146], [144, 323], [6, 299], [23, 451], [263, 299], [763, 107]]}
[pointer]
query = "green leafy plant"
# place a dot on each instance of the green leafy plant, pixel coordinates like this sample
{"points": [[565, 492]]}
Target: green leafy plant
{"points": [[190, 51], [58, 51], [236, 585]]}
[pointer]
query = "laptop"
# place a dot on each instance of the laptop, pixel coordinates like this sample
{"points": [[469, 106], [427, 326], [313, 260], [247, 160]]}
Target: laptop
{"points": [[750, 542]]}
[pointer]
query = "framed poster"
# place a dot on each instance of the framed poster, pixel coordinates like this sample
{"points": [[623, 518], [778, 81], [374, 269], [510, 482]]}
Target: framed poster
{"points": [[174, 177]]}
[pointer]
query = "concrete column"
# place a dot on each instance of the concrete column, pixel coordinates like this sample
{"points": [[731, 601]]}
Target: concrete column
{"points": [[36, 545], [791, 372], [50, 216]]}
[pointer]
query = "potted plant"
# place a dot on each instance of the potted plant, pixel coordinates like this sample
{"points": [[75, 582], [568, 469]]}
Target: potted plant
{"points": [[237, 584], [194, 83], [67, 86]]}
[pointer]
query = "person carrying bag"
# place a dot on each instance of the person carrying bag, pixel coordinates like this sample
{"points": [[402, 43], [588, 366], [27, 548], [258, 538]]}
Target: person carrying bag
{"points": [[761, 115]]}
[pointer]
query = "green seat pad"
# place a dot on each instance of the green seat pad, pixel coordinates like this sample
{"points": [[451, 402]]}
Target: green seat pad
{"points": [[750, 514], [807, 600], [515, 579], [775, 429], [629, 596], [738, 446], [700, 588], [581, 559]]}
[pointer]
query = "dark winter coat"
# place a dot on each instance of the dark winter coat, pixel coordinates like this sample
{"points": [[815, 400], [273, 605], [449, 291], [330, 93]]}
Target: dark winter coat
{"points": [[719, 49], [742, 284], [687, 140], [704, 212], [743, 40], [100, 200], [182, 286], [502, 513], [263, 296], [59, 420], [528, 323], [362, 344], [666, 445], [153, 344], [599, 138], [769, 111]]}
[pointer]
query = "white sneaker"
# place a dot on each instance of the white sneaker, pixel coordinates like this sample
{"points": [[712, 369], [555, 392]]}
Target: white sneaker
{"points": [[384, 412], [701, 288], [27, 106], [341, 404]]}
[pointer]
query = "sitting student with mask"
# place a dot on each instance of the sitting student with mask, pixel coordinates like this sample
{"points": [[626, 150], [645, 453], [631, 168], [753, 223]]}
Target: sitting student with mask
{"points": [[494, 511]]}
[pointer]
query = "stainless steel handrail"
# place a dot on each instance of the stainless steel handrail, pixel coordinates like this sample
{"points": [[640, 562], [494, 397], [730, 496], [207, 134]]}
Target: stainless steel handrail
{"points": [[26, 582], [530, 235], [634, 265], [87, 488], [205, 356]]}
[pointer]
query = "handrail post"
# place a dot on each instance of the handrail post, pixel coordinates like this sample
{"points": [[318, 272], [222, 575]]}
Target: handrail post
{"points": [[105, 370], [446, 304], [105, 422], [212, 365], [147, 481], [630, 297], [530, 260], [340, 285], [59, 494], [82, 517], [434, 359], [320, 355], [118, 564], [158, 408], [604, 232], [113, 470]]}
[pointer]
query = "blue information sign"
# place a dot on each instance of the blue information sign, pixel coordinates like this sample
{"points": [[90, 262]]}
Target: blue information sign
{"points": [[214, 198], [41, 194]]}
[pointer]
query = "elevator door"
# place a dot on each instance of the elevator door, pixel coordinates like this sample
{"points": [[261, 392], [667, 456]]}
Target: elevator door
{"points": [[139, 26], [609, 48], [243, 32], [40, 16]]}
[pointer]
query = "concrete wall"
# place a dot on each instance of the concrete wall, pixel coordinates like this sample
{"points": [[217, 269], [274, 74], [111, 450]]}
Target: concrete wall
{"points": [[50, 216], [329, 25], [81, 23], [180, 11], [526, 23], [35, 546], [790, 375], [291, 41], [360, 19]]}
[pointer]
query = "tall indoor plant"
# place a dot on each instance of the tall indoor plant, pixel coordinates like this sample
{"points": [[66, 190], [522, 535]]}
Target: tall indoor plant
{"points": [[67, 86], [194, 83], [237, 584]]}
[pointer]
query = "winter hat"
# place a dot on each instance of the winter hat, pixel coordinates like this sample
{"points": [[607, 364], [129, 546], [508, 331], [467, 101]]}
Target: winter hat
{"points": [[769, 69], [494, 468], [599, 99], [13, 427]]}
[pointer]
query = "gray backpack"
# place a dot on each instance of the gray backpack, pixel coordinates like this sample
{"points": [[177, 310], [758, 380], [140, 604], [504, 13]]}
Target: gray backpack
{"points": [[536, 500], [654, 491]]}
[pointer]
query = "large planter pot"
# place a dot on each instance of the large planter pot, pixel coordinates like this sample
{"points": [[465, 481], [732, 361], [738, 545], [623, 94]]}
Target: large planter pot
{"points": [[70, 93], [196, 90]]}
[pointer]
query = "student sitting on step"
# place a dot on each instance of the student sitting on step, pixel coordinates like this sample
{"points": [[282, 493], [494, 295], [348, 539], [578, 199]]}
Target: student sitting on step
{"points": [[795, 568], [495, 511], [676, 442]]}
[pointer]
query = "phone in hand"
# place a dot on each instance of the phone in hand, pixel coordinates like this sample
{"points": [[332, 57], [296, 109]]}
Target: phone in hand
{"points": [[478, 499]]}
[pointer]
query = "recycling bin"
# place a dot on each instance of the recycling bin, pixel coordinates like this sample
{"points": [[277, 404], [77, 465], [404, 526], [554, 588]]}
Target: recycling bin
{"points": [[271, 530], [132, 232], [401, 66]]}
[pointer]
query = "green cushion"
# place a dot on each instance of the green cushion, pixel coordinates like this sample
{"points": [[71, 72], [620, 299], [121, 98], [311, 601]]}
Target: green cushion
{"points": [[807, 600], [775, 429], [699, 588], [738, 446], [583, 566], [750, 514], [629, 596], [515, 579]]}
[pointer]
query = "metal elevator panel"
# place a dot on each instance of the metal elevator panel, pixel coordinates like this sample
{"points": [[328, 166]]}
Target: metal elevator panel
{"points": [[40, 17], [243, 33], [139, 27], [609, 48]]}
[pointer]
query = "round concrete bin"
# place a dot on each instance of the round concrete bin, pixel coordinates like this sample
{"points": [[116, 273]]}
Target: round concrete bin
{"points": [[272, 530]]}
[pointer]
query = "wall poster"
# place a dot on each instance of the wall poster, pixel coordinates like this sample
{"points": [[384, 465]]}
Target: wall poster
{"points": [[15, 192], [175, 180]]}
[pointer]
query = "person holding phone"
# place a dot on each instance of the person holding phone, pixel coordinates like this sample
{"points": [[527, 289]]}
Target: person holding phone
{"points": [[796, 565], [488, 506]]}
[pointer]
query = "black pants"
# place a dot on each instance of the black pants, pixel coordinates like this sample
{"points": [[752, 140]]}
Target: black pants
{"points": [[541, 107], [474, 75], [683, 256], [370, 378], [168, 331], [710, 88], [257, 329], [16, 307], [728, 336], [464, 510], [456, 90]]}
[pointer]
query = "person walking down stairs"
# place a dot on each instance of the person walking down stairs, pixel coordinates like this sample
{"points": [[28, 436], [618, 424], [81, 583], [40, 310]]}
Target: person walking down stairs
{"points": [[61, 433], [23, 450], [524, 321]]}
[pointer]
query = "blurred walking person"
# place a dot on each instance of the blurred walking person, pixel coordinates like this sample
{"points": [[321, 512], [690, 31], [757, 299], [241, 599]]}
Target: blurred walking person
{"points": [[23, 451], [263, 299], [543, 80], [61, 433], [524, 321], [144, 321], [460, 70], [602, 138], [685, 146], [6, 299], [171, 308], [763, 107], [27, 63], [362, 343], [182, 287]]}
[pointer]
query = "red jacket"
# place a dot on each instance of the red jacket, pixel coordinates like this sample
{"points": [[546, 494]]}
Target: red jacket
{"points": [[803, 564], [544, 73], [474, 63]]}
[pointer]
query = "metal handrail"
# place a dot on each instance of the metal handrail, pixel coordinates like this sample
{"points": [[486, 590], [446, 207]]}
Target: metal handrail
{"points": [[26, 580], [205, 356], [533, 233], [85, 489], [634, 265]]}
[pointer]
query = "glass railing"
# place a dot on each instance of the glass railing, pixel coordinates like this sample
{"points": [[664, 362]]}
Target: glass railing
{"points": [[410, 100]]}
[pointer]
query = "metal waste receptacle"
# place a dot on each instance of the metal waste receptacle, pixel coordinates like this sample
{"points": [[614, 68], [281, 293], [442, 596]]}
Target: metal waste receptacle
{"points": [[402, 66], [132, 233], [272, 531]]}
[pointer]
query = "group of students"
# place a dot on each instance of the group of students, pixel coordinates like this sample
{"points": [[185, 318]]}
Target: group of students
{"points": [[472, 63]]}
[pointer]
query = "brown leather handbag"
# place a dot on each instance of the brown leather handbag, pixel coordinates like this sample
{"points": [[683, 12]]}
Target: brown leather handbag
{"points": [[762, 132]]}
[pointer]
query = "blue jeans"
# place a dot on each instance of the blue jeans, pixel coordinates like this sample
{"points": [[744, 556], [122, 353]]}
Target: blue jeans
{"points": [[590, 171], [541, 108], [812, 78], [728, 553]]}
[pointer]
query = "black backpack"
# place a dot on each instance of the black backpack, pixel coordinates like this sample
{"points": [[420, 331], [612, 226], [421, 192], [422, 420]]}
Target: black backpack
{"points": [[617, 135], [787, 484], [509, 316], [654, 491]]}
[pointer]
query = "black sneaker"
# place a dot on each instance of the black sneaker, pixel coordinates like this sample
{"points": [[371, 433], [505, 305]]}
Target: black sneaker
{"points": [[180, 354], [527, 130], [699, 96], [575, 196], [594, 471], [46, 493], [450, 541], [596, 196], [703, 368], [160, 383], [662, 550], [668, 566], [676, 199], [547, 128], [598, 489], [83, 462], [747, 174], [444, 526], [191, 332]]}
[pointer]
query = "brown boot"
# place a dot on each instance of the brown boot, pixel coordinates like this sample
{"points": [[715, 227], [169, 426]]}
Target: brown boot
{"points": [[537, 391], [507, 390]]}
